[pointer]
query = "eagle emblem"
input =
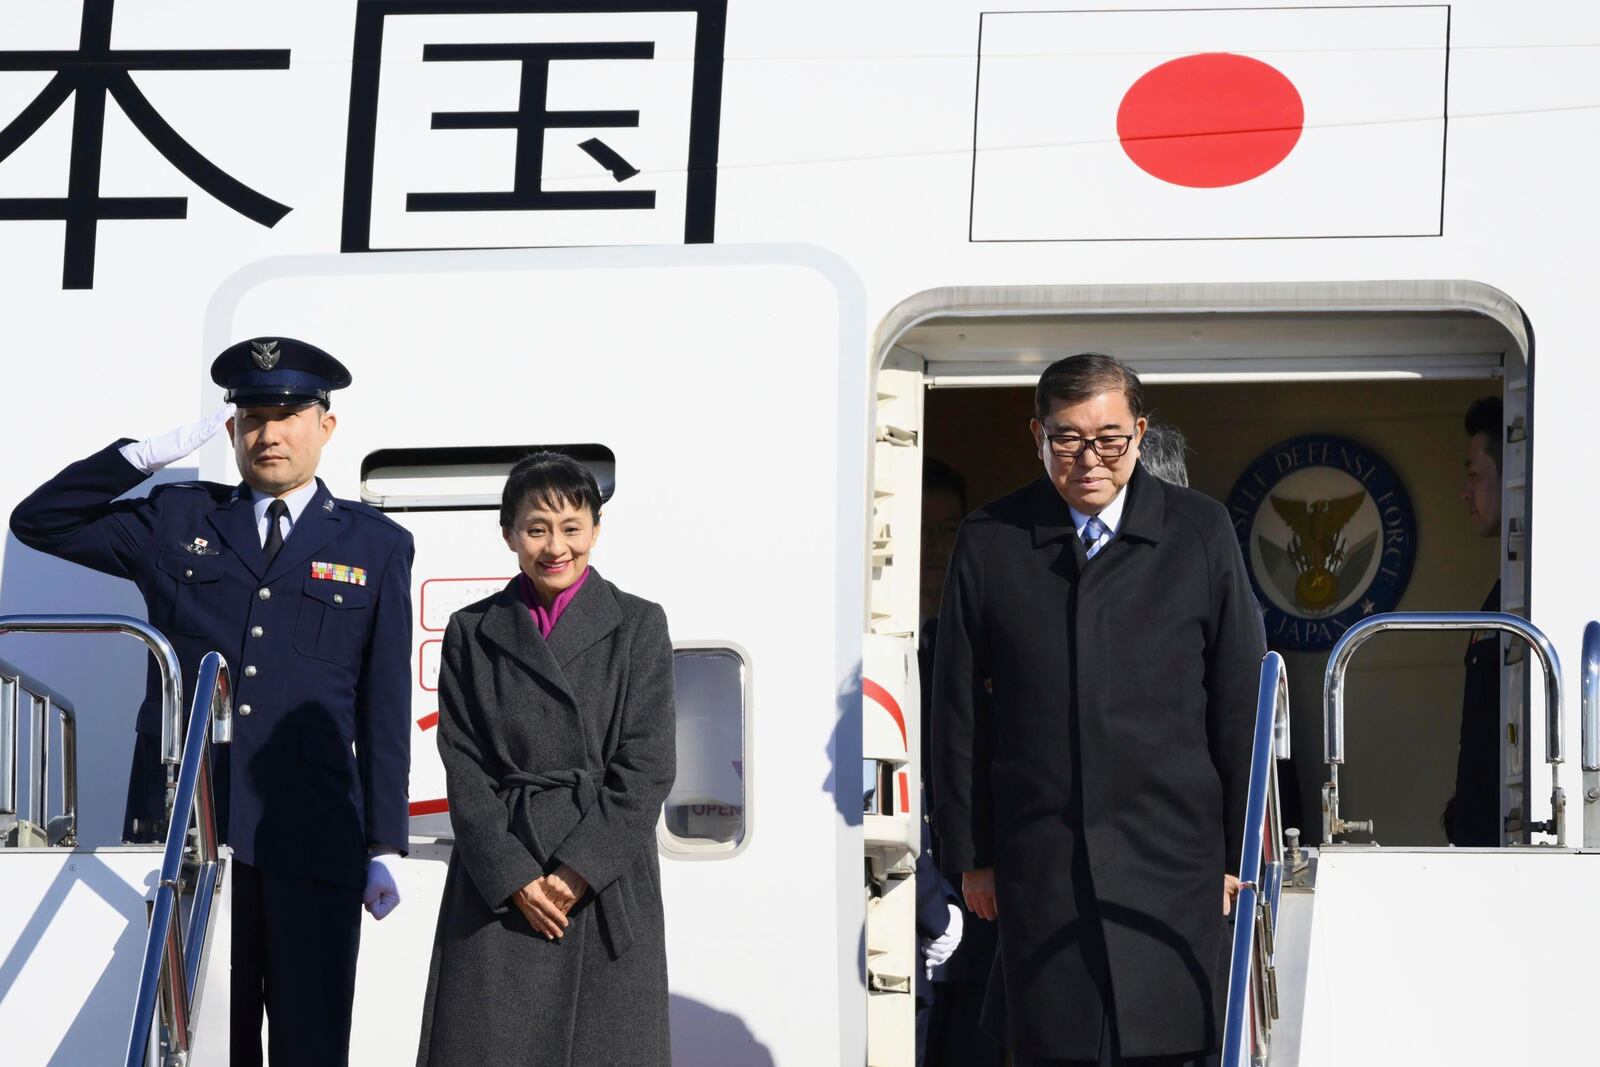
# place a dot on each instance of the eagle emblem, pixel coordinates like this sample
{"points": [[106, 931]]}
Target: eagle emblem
{"points": [[1317, 549], [265, 354]]}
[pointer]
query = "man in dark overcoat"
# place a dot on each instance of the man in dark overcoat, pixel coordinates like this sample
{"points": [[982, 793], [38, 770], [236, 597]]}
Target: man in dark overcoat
{"points": [[1095, 681], [308, 598]]}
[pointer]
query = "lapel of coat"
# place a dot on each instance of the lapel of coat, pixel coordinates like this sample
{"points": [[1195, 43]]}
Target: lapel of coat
{"points": [[507, 626], [1146, 510], [320, 522], [1052, 523], [592, 615], [235, 523]]}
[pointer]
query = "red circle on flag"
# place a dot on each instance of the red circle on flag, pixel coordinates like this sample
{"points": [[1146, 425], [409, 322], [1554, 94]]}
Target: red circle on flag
{"points": [[1210, 120]]}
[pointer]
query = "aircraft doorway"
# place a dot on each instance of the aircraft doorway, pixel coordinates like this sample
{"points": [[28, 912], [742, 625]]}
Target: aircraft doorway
{"points": [[1405, 708], [1388, 374]]}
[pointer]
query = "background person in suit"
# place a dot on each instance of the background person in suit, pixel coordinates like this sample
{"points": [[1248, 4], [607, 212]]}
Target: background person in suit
{"points": [[1094, 693], [557, 732], [308, 598], [1472, 816]]}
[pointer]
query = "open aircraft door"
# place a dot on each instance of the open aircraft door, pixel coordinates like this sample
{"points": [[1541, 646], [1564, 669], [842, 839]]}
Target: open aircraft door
{"points": [[720, 396]]}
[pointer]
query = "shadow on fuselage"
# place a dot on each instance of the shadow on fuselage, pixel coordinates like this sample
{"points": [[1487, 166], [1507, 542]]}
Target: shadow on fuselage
{"points": [[702, 1036]]}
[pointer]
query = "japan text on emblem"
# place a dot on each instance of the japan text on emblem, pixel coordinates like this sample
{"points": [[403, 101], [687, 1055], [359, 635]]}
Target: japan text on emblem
{"points": [[89, 75], [265, 354], [1328, 536]]}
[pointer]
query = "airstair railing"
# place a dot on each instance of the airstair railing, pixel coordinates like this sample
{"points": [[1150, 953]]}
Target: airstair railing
{"points": [[1333, 693], [174, 951], [43, 704], [160, 648], [1590, 741], [1252, 1003]]}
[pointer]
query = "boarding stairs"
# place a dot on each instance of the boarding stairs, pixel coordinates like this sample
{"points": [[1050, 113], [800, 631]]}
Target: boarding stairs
{"points": [[111, 959], [1361, 954]]}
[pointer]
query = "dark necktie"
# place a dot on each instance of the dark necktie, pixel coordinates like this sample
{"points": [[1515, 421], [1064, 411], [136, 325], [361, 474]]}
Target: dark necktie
{"points": [[1093, 530], [277, 511]]}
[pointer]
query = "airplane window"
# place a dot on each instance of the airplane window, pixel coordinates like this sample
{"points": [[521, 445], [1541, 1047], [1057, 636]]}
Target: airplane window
{"points": [[705, 812]]}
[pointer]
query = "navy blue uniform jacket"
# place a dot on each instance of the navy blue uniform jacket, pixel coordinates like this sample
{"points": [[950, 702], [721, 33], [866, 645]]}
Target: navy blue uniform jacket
{"points": [[319, 767]]}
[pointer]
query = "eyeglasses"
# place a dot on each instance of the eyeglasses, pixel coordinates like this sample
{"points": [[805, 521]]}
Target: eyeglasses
{"points": [[1107, 446]]}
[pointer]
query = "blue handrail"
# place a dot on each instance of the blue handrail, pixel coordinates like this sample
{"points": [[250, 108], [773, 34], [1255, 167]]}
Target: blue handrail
{"points": [[172, 953], [1260, 872]]}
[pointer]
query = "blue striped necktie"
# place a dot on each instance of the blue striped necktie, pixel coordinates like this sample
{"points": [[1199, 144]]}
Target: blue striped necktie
{"points": [[1093, 530]]}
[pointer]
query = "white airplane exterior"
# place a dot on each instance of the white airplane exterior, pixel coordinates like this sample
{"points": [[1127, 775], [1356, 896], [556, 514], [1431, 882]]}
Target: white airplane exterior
{"points": [[747, 259]]}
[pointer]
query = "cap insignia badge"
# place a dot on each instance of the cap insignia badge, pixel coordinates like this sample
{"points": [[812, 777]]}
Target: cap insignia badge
{"points": [[265, 353]]}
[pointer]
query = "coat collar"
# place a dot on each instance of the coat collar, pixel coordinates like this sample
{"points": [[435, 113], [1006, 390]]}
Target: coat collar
{"points": [[1143, 513], [592, 615], [235, 520]]}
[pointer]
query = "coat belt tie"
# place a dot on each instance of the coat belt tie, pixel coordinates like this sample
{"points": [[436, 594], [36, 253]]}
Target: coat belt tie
{"points": [[542, 809]]}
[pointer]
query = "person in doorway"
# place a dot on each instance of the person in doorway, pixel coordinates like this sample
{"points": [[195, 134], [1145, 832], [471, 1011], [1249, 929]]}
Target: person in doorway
{"points": [[308, 598], [557, 733], [1472, 815], [949, 1033], [1164, 452], [1094, 694]]}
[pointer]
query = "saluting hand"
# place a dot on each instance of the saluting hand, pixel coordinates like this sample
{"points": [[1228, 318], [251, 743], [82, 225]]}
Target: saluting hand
{"points": [[158, 452], [978, 889]]}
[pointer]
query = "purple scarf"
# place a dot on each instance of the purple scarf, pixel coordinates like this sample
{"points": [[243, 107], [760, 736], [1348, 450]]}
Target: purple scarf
{"points": [[545, 619]]}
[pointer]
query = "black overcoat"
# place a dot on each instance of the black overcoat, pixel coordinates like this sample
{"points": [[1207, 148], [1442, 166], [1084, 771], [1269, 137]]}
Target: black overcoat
{"points": [[558, 751], [1104, 777]]}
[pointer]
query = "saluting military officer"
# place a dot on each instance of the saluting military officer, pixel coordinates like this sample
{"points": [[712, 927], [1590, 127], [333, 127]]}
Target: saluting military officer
{"points": [[308, 597]]}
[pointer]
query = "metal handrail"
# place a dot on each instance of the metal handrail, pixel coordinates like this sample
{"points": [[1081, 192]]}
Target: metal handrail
{"points": [[1251, 980], [1333, 692], [173, 955], [159, 646], [1589, 742], [14, 683]]}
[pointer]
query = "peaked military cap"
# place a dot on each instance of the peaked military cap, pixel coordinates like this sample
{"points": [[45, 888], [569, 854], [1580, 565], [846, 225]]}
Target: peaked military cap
{"points": [[277, 372]]}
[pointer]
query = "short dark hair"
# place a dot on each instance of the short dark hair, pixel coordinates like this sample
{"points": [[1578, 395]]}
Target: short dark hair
{"points": [[1164, 453], [1086, 375], [1486, 416], [550, 480], [939, 477]]}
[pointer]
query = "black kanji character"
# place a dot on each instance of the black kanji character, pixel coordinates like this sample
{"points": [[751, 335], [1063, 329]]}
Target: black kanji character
{"points": [[91, 72]]}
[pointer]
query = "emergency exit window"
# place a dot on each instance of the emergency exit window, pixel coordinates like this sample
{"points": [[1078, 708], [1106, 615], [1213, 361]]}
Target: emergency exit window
{"points": [[706, 813]]}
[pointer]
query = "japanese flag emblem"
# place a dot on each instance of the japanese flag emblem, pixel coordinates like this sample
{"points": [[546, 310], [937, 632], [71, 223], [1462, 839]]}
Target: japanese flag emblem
{"points": [[1210, 124]]}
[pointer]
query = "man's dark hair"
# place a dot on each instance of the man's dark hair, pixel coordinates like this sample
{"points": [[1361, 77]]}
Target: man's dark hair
{"points": [[1082, 377], [938, 477], [1486, 416], [551, 481], [1164, 453]]}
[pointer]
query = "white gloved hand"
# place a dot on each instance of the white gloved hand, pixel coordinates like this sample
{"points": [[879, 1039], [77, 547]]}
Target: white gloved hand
{"points": [[383, 888], [938, 950], [157, 452]]}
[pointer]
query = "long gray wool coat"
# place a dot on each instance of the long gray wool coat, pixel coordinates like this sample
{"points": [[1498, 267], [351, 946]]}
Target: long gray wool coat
{"points": [[1104, 777], [554, 752]]}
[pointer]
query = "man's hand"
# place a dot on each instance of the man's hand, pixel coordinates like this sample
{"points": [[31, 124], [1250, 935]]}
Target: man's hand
{"points": [[544, 902], [978, 889], [1230, 893], [158, 452], [938, 950], [383, 889]]}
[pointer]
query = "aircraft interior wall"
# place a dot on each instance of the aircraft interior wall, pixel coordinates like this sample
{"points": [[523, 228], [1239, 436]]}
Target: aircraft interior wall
{"points": [[1405, 692]]}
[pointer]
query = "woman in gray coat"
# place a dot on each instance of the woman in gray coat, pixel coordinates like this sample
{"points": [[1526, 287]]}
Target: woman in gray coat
{"points": [[557, 733]]}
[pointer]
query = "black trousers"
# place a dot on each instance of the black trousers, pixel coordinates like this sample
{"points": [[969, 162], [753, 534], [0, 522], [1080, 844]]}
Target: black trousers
{"points": [[1111, 1056], [954, 1036], [294, 956]]}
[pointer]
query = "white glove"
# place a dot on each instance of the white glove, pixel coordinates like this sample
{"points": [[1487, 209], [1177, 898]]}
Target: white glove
{"points": [[383, 888], [938, 950], [150, 456]]}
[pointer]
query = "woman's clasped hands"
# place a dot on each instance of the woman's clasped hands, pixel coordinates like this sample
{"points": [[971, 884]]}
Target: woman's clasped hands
{"points": [[545, 901]]}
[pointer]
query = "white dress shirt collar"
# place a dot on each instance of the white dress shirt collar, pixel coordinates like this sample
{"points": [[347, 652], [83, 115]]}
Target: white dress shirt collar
{"points": [[297, 501], [1110, 515]]}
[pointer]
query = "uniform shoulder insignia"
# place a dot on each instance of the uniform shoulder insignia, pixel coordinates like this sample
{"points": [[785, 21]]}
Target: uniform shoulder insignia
{"points": [[357, 507]]}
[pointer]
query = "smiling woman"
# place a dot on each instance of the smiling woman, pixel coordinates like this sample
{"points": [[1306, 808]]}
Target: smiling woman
{"points": [[557, 734]]}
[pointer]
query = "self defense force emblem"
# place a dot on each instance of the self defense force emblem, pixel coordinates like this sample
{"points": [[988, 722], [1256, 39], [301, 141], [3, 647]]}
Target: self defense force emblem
{"points": [[1328, 535]]}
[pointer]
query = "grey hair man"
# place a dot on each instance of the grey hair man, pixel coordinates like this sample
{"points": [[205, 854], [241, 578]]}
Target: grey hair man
{"points": [[1164, 451]]}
